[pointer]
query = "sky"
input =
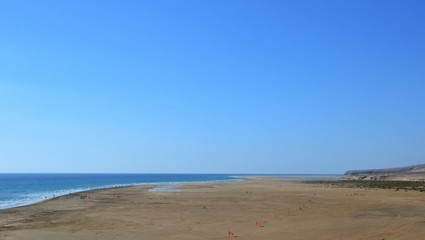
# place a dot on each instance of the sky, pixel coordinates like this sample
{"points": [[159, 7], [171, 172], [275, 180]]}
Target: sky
{"points": [[212, 86]]}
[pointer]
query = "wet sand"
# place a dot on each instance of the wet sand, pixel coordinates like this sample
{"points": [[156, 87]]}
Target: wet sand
{"points": [[265, 208]]}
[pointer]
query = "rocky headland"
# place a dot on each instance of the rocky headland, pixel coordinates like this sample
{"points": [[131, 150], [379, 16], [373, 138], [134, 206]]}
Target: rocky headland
{"points": [[409, 173]]}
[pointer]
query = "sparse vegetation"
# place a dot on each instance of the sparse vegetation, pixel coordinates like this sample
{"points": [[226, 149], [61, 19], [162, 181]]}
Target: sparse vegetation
{"points": [[396, 185]]}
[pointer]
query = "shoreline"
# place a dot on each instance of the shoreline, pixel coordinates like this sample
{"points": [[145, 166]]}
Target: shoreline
{"points": [[263, 208], [334, 180], [108, 187], [70, 194], [233, 177]]}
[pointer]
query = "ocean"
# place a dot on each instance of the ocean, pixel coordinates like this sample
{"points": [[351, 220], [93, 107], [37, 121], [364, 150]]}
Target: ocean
{"points": [[22, 189]]}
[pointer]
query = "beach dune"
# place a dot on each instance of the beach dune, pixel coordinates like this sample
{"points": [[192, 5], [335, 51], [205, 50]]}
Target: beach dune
{"points": [[265, 208]]}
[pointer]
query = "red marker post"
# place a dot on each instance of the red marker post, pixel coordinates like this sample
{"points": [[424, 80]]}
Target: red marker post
{"points": [[231, 234]]}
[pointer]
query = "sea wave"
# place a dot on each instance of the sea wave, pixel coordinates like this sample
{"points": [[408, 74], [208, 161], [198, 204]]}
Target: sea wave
{"points": [[21, 189]]}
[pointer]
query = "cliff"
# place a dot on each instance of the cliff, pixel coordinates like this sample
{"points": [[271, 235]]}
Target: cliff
{"points": [[409, 173]]}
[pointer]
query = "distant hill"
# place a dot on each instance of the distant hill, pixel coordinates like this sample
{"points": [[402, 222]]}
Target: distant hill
{"points": [[409, 173]]}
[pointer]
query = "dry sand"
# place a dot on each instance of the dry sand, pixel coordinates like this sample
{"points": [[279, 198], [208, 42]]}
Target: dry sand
{"points": [[210, 210]]}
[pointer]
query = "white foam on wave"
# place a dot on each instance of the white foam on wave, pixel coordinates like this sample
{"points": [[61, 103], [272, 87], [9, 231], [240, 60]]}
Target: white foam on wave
{"points": [[37, 197], [42, 196]]}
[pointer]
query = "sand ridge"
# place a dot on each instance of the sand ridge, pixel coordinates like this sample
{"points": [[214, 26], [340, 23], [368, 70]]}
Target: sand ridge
{"points": [[284, 209]]}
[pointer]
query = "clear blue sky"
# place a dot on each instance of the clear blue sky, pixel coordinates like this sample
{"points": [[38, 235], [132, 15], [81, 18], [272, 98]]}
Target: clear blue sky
{"points": [[211, 86]]}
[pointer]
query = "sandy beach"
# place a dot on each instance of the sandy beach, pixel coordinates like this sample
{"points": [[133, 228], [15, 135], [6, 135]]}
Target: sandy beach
{"points": [[265, 208]]}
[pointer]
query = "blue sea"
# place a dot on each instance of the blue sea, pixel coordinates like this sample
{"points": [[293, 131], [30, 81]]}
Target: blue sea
{"points": [[22, 189]]}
